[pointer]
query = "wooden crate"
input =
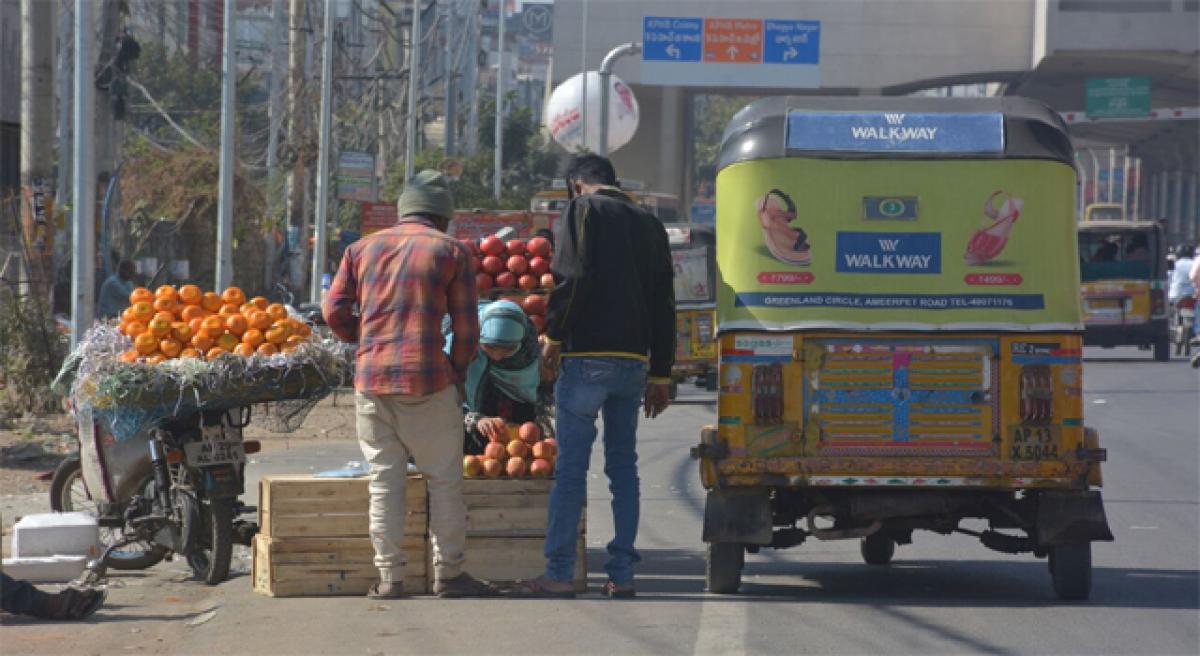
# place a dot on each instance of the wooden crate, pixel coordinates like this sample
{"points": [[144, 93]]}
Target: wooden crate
{"points": [[293, 567], [307, 506], [509, 508]]}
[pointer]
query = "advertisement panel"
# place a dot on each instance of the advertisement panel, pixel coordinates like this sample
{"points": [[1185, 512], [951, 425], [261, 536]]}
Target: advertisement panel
{"points": [[897, 245], [476, 225]]}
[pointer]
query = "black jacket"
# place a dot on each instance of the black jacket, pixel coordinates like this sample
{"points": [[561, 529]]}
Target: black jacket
{"points": [[615, 291]]}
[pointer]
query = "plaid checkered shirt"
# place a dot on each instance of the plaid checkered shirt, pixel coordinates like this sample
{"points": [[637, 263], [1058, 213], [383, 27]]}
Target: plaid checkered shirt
{"points": [[403, 281]]}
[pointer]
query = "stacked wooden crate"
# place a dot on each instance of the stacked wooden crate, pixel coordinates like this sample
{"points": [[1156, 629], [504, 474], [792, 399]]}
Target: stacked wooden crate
{"points": [[506, 530], [313, 537]]}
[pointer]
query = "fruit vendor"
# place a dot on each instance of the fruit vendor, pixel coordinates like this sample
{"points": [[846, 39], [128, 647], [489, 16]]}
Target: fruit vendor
{"points": [[502, 381]]}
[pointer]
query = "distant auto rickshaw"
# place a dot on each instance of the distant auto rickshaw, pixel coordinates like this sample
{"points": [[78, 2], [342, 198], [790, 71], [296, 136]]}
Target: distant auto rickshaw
{"points": [[900, 334], [694, 253], [1123, 270]]}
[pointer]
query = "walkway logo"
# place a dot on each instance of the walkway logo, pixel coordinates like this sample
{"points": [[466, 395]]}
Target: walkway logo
{"points": [[894, 119], [889, 252]]}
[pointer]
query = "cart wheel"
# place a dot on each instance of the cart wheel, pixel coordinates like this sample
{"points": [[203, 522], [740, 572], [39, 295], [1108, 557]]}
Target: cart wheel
{"points": [[723, 573], [1071, 570], [877, 548], [1162, 349]]}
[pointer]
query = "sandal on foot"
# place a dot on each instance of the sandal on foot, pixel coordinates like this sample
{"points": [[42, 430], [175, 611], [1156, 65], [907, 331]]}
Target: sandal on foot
{"points": [[614, 590], [386, 590], [537, 589]]}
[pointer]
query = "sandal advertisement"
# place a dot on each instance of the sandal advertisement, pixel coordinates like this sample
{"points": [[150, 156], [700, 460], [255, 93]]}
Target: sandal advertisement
{"points": [[897, 245]]}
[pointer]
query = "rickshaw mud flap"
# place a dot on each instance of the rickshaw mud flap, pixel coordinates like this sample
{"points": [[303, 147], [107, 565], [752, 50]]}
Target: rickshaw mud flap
{"points": [[1071, 517], [738, 515]]}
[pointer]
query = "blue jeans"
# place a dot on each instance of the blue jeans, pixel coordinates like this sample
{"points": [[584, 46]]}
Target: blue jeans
{"points": [[587, 387]]}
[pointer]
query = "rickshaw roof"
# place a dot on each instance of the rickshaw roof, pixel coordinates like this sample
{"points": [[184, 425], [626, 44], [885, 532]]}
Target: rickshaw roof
{"points": [[1031, 130], [1108, 226]]}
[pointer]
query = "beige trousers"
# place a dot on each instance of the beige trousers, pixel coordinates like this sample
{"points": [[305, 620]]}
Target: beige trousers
{"points": [[430, 429]]}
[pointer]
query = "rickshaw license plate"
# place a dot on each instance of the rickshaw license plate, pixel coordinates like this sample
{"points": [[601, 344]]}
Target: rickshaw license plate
{"points": [[1035, 443], [204, 454]]}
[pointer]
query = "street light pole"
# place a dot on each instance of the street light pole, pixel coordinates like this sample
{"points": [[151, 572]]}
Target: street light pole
{"points": [[224, 275], [414, 90], [83, 197], [606, 67], [318, 263], [499, 159]]}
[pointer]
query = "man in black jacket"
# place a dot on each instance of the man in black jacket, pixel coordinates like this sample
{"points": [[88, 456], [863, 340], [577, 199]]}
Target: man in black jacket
{"points": [[611, 320]]}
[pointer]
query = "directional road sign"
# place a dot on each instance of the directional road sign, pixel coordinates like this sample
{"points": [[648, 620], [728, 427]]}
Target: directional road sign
{"points": [[791, 41], [735, 52], [672, 39]]}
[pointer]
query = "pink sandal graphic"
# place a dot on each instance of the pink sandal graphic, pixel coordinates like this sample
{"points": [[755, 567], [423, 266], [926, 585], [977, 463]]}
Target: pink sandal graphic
{"points": [[990, 240], [789, 245]]}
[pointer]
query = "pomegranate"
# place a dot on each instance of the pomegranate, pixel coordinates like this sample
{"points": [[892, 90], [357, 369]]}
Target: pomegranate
{"points": [[534, 304], [517, 449], [552, 443], [517, 264], [543, 451], [527, 282], [541, 468], [483, 282], [529, 432], [472, 466], [515, 247], [548, 280], [492, 264], [506, 279], [491, 246], [539, 246], [539, 266], [492, 468], [495, 451], [515, 467]]}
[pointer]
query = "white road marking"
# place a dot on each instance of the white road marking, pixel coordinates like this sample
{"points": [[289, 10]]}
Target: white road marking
{"points": [[722, 626]]}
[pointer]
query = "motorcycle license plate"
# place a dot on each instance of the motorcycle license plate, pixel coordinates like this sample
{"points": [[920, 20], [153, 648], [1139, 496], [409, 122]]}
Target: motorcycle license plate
{"points": [[204, 454]]}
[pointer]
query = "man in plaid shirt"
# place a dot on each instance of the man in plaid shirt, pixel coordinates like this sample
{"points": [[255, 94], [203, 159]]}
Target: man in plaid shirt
{"points": [[403, 281]]}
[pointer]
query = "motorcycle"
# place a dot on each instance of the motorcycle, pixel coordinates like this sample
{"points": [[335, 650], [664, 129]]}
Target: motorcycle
{"points": [[172, 490], [1183, 324]]}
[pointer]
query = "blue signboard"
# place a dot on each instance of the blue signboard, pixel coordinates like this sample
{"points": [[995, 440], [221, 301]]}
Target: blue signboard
{"points": [[667, 38], [889, 252], [704, 213], [791, 41], [896, 132]]}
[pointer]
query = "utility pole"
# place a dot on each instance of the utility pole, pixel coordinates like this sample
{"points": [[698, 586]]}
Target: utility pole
{"points": [[297, 178], [318, 263], [471, 84], [499, 154], [414, 91], [606, 67], [274, 124], [106, 122], [228, 121], [83, 239], [62, 193], [450, 77], [37, 140]]}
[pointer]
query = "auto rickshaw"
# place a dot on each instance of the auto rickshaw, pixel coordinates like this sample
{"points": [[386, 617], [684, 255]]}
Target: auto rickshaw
{"points": [[694, 254], [900, 334], [1124, 276]]}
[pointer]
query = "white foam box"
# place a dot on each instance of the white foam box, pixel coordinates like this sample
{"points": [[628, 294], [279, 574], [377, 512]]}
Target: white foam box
{"points": [[46, 569], [56, 534]]}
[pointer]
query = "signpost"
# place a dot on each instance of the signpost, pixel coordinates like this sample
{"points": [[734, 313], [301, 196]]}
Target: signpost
{"points": [[739, 52], [378, 216], [1118, 97], [356, 176]]}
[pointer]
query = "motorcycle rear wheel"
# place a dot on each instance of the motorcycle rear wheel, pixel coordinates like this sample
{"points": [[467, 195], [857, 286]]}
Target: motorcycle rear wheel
{"points": [[213, 552]]}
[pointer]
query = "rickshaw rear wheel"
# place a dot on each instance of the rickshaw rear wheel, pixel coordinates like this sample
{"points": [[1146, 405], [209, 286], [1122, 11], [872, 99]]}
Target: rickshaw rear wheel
{"points": [[1162, 349], [1071, 570], [877, 548], [723, 572]]}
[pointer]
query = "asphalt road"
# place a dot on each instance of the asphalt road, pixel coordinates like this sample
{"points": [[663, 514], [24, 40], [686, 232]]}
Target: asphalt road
{"points": [[940, 595]]}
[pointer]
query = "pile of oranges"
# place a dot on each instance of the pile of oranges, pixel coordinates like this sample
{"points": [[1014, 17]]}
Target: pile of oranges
{"points": [[191, 323]]}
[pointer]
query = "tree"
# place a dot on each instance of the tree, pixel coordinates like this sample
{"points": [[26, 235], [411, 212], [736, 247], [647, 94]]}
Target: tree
{"points": [[712, 115]]}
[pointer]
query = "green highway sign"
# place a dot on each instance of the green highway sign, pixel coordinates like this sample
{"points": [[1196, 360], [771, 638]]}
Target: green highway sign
{"points": [[1118, 97]]}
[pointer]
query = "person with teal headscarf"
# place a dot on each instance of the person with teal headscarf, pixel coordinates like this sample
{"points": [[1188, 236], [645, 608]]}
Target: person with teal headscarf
{"points": [[502, 381]]}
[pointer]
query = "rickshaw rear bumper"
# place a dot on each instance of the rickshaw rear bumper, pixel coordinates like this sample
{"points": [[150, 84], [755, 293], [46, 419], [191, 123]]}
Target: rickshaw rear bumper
{"points": [[1125, 334]]}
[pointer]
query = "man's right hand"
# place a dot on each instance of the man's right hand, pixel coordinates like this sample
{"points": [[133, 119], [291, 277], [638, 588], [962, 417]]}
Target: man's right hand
{"points": [[658, 397], [491, 427]]}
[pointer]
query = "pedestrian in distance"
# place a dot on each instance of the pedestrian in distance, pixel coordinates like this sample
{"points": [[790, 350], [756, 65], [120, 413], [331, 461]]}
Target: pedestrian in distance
{"points": [[114, 293], [22, 598], [408, 393], [610, 328]]}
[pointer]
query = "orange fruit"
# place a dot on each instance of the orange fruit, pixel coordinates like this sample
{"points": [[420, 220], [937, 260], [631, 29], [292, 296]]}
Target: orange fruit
{"points": [[213, 326], [145, 343], [170, 347], [301, 328], [160, 327], [157, 358], [244, 350], [277, 311], [202, 342], [214, 353], [253, 337], [260, 302], [190, 295], [295, 340], [247, 308], [229, 309], [233, 296], [259, 319], [135, 328], [143, 311], [189, 312], [236, 324], [276, 335], [130, 356], [189, 353], [211, 301], [267, 349], [166, 291], [181, 332], [169, 317], [140, 295], [128, 315], [196, 325], [285, 325], [228, 342], [165, 304]]}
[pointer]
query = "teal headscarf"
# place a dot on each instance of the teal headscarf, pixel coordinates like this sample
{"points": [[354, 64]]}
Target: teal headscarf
{"points": [[504, 323]]}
